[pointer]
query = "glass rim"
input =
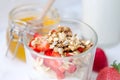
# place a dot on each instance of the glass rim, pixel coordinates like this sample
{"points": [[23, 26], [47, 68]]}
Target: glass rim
{"points": [[27, 5], [64, 58], [19, 7]]}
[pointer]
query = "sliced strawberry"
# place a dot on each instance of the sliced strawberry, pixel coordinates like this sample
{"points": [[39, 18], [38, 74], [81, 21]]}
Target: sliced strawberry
{"points": [[52, 63], [39, 44], [48, 52], [55, 65], [35, 47], [72, 68], [37, 35], [55, 54], [68, 54], [80, 49], [62, 69], [45, 45], [60, 75], [53, 31], [38, 48]]}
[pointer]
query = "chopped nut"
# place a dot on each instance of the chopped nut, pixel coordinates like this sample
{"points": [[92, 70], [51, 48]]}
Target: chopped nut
{"points": [[65, 43], [56, 49], [60, 45], [67, 49], [87, 42], [62, 36], [60, 29], [60, 50], [67, 29], [62, 41], [71, 47], [69, 34], [50, 39], [55, 39], [52, 46], [76, 52], [54, 35]]}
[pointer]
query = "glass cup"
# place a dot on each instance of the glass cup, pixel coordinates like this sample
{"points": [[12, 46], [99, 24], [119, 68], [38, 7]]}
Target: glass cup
{"points": [[18, 18], [62, 68]]}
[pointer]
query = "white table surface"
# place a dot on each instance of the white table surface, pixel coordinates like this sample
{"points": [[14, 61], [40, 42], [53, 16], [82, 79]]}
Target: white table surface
{"points": [[17, 70]]}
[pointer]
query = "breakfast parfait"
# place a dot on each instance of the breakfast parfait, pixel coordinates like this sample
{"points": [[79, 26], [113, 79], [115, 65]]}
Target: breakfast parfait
{"points": [[59, 55]]}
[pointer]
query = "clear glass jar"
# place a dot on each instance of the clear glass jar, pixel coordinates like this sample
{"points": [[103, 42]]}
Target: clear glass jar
{"points": [[18, 18], [63, 68]]}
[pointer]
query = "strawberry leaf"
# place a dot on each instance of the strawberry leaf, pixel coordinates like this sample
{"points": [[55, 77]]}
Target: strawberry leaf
{"points": [[119, 67], [116, 66]]}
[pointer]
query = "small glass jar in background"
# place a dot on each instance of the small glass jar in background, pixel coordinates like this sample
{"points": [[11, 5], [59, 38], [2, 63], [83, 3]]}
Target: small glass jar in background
{"points": [[19, 16]]}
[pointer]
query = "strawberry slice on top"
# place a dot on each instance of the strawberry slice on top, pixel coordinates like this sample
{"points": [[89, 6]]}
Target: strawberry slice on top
{"points": [[56, 54], [38, 43]]}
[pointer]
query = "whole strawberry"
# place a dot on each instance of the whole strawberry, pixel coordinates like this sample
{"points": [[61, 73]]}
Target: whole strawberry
{"points": [[100, 60], [110, 73]]}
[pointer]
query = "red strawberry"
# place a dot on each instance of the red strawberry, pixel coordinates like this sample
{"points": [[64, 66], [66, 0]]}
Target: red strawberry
{"points": [[55, 54], [100, 60], [68, 54], [72, 68], [110, 73], [55, 65], [37, 35], [80, 49], [48, 52], [60, 75], [45, 45], [52, 53], [39, 44], [52, 63], [34, 47]]}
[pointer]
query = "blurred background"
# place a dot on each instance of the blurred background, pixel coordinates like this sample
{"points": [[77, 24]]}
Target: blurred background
{"points": [[71, 8]]}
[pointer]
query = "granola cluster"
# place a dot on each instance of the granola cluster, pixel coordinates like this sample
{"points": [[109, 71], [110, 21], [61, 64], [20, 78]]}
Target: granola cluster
{"points": [[62, 40]]}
